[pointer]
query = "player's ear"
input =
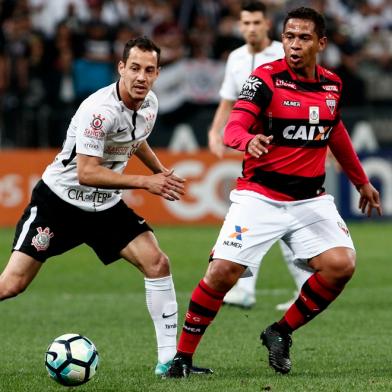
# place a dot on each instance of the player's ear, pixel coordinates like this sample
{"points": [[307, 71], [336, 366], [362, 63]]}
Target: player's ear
{"points": [[121, 68], [322, 43]]}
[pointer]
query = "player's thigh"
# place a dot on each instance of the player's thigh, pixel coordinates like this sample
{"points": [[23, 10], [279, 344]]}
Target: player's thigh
{"points": [[325, 230], [116, 229], [144, 252], [252, 225], [18, 273], [45, 230]]}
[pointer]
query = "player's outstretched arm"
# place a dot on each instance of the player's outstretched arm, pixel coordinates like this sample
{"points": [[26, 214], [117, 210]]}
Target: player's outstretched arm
{"points": [[369, 199], [92, 173]]}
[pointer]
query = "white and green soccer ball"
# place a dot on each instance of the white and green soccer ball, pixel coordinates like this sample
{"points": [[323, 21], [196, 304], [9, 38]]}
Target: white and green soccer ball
{"points": [[71, 359]]}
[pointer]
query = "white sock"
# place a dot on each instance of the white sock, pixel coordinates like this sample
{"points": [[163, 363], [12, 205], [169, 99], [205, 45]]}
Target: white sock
{"points": [[162, 305]]}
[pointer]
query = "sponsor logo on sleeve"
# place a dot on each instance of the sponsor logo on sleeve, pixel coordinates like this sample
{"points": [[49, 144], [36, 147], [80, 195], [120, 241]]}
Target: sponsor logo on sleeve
{"points": [[250, 88]]}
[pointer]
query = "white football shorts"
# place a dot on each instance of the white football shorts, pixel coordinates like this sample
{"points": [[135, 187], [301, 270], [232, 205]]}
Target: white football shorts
{"points": [[254, 223]]}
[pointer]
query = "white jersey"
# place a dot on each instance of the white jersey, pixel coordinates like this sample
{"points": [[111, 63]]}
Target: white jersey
{"points": [[102, 127], [240, 64]]}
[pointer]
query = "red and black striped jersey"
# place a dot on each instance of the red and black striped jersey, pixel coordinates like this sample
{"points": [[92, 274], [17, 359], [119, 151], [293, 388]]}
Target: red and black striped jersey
{"points": [[304, 118]]}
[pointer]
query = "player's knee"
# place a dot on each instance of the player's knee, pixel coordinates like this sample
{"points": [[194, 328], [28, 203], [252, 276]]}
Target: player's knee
{"points": [[222, 275], [342, 267], [10, 289], [159, 266], [348, 267]]}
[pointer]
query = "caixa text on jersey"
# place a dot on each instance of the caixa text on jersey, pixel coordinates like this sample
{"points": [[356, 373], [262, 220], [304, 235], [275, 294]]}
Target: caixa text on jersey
{"points": [[96, 196]]}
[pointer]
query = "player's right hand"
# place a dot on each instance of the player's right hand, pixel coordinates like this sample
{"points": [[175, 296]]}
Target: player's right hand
{"points": [[166, 184], [215, 144], [258, 145]]}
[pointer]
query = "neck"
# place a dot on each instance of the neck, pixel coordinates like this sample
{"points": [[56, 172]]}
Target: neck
{"points": [[127, 100], [259, 46], [308, 73]]}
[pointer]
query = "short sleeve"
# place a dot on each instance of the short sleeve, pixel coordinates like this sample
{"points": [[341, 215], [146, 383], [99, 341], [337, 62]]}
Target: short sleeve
{"points": [[92, 126], [228, 89]]}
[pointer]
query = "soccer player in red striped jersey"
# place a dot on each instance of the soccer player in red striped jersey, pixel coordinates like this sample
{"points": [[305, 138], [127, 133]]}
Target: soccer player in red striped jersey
{"points": [[286, 116]]}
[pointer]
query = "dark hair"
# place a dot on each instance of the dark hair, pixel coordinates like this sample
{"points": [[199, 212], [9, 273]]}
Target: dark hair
{"points": [[253, 6], [142, 43], [309, 14]]}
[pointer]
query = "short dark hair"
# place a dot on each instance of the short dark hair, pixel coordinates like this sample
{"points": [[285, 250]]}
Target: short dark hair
{"points": [[253, 6], [142, 43], [309, 14]]}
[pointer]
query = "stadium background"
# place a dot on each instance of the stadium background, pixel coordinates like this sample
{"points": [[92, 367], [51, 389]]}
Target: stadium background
{"points": [[55, 53]]}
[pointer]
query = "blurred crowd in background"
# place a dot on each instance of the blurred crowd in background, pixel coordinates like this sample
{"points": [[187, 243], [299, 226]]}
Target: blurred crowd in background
{"points": [[54, 53]]}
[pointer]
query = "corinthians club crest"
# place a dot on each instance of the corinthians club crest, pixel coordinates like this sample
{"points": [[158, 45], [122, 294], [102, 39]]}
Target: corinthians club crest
{"points": [[42, 239]]}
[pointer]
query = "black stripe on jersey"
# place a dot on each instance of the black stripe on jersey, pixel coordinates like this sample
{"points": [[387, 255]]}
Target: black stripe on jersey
{"points": [[298, 187], [244, 110], [297, 132], [118, 90], [284, 80], [134, 125], [65, 162]]}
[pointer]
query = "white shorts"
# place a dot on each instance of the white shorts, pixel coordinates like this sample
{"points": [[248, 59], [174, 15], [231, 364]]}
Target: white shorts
{"points": [[254, 223]]}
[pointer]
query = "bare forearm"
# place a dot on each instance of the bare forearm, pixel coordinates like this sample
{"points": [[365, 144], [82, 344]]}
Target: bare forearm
{"points": [[102, 177], [149, 158]]}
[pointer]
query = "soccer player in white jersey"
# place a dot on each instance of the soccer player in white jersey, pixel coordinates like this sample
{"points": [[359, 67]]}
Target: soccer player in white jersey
{"points": [[258, 49], [78, 200]]}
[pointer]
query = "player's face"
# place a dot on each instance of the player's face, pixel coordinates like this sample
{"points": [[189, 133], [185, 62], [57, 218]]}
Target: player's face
{"points": [[138, 75], [254, 27], [301, 45]]}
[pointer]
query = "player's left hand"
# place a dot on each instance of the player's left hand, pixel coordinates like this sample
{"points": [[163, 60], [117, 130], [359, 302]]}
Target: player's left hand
{"points": [[369, 199]]}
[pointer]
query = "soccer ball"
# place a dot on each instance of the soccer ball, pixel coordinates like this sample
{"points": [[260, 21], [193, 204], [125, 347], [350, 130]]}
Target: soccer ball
{"points": [[71, 359]]}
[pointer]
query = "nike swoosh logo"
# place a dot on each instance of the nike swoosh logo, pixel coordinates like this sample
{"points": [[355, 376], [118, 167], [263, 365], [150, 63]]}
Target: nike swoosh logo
{"points": [[121, 130], [164, 315], [141, 221]]}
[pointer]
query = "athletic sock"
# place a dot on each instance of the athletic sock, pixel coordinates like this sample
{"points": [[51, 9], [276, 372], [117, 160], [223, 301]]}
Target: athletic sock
{"points": [[203, 307], [162, 305], [315, 295]]}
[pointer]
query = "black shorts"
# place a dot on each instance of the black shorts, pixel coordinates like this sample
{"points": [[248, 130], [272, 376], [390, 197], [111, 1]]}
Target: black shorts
{"points": [[50, 226]]}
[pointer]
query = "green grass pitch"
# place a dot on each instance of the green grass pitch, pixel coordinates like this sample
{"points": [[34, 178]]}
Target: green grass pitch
{"points": [[347, 348]]}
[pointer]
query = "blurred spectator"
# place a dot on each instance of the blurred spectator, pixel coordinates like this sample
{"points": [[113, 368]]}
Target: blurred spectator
{"points": [[354, 87], [53, 53]]}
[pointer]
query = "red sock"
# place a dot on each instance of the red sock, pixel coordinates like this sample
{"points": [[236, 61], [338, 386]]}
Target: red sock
{"points": [[203, 307], [315, 295]]}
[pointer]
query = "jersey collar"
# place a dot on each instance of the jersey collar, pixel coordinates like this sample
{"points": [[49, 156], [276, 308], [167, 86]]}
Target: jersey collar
{"points": [[118, 90]]}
